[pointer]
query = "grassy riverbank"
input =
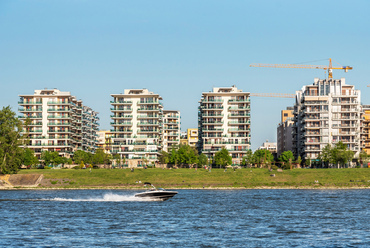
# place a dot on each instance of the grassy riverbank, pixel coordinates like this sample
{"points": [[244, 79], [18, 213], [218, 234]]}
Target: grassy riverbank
{"points": [[189, 178]]}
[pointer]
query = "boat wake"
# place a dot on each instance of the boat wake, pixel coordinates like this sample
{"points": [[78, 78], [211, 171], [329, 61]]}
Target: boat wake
{"points": [[109, 197]]}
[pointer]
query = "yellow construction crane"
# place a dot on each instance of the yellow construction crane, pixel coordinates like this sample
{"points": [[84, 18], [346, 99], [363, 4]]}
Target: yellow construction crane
{"points": [[282, 95], [324, 67]]}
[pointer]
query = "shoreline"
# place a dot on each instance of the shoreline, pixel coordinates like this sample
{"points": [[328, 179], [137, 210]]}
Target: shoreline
{"points": [[185, 188]]}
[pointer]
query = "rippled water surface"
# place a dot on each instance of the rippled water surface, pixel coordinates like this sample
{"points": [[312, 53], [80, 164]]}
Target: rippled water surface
{"points": [[193, 218]]}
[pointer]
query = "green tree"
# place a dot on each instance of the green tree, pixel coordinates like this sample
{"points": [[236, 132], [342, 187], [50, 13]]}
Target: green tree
{"points": [[203, 160], [222, 158], [341, 154], [187, 155], [79, 156], [286, 158], [364, 157], [164, 157], [299, 160], [326, 155], [29, 158], [174, 157], [100, 157], [248, 159], [307, 162], [262, 157], [10, 142], [52, 158]]}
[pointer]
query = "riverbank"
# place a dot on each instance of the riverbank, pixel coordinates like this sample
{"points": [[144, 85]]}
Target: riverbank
{"points": [[254, 178]]}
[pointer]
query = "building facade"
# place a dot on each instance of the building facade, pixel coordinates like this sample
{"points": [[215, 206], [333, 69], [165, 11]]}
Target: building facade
{"points": [[192, 136], [136, 119], [224, 121], [284, 131], [58, 122], [326, 112], [365, 134], [170, 133], [105, 140]]}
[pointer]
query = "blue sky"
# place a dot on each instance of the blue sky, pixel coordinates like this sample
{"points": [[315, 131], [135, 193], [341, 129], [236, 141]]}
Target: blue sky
{"points": [[179, 49]]}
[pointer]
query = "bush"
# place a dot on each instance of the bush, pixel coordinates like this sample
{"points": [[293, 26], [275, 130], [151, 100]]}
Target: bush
{"points": [[274, 167], [77, 167]]}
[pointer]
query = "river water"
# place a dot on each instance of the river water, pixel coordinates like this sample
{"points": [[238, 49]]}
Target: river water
{"points": [[193, 218]]}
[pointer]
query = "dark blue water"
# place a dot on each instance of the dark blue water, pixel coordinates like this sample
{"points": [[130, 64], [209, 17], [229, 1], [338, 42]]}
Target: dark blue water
{"points": [[193, 218]]}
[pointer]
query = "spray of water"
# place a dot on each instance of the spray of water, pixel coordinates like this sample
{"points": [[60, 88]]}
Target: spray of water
{"points": [[109, 197]]}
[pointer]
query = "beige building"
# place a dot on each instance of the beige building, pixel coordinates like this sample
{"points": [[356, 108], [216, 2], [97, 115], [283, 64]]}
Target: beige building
{"points": [[104, 140], [141, 128], [59, 122], [284, 131], [192, 136], [224, 121], [326, 112]]}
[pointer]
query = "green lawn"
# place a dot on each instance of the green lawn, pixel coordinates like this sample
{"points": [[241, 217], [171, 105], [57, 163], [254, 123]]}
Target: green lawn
{"points": [[189, 178]]}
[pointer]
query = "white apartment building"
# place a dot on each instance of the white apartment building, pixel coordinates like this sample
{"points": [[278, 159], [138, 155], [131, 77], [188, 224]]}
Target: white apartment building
{"points": [[171, 129], [58, 122], [136, 123], [224, 121], [326, 112]]}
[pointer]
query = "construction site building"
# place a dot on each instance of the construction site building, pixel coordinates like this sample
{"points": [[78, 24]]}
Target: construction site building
{"points": [[326, 112]]}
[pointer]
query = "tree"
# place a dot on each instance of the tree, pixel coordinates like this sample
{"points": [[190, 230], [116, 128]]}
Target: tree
{"points": [[326, 155], [100, 157], [52, 158], [203, 160], [307, 162], [29, 157], [174, 157], [222, 158], [341, 154], [299, 160], [364, 157], [187, 155], [263, 157], [10, 142], [164, 157], [286, 158], [248, 159]]}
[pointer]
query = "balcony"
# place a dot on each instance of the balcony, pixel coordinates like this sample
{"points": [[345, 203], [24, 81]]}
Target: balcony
{"points": [[239, 115], [148, 102], [213, 130], [147, 116], [211, 100], [147, 109], [121, 123], [239, 108], [59, 117], [121, 109], [213, 107], [30, 102], [239, 129], [121, 116], [239, 100], [120, 102], [247, 122], [31, 117], [30, 110]]}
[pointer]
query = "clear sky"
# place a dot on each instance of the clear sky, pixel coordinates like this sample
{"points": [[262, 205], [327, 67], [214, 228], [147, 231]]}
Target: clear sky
{"points": [[180, 49]]}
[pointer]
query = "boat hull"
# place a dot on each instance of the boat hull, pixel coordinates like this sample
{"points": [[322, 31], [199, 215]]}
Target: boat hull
{"points": [[157, 195]]}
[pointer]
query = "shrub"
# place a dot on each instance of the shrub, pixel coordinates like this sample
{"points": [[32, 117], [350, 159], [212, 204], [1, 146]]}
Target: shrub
{"points": [[274, 167]]}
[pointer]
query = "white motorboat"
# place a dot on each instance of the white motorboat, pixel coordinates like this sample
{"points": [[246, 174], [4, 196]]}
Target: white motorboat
{"points": [[156, 194]]}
